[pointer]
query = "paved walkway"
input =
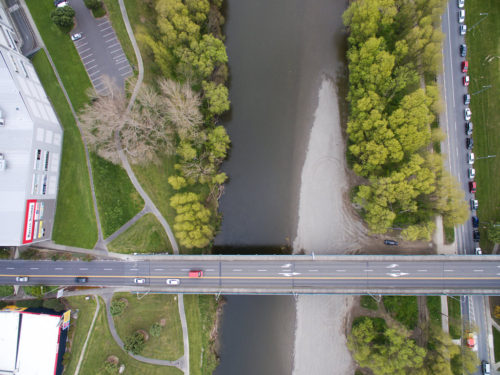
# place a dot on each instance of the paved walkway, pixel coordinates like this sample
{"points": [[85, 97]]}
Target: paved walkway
{"points": [[444, 314], [127, 225], [82, 354]]}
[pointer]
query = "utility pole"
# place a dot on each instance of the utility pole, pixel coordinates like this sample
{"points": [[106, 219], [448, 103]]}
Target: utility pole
{"points": [[484, 88]]}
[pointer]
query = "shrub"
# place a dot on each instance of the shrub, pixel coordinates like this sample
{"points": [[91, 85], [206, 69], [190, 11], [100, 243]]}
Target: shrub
{"points": [[134, 343], [63, 17], [111, 368], [155, 330], [117, 307], [93, 4]]}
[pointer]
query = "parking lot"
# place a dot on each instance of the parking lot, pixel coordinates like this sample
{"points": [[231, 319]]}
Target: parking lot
{"points": [[99, 48]]}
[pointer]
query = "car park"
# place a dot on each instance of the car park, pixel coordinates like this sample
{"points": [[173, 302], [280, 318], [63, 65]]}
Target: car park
{"points": [[195, 273], [470, 158], [463, 29], [461, 3], [467, 99], [76, 36], [468, 128], [461, 16], [476, 236], [467, 114], [81, 279], [485, 367], [478, 251], [466, 80], [475, 222], [465, 66], [139, 281], [173, 281], [22, 279], [472, 187], [391, 242], [472, 173], [463, 50], [474, 204], [469, 143]]}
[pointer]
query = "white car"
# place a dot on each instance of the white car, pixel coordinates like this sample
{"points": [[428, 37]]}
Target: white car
{"points": [[478, 251], [173, 281], [461, 16], [470, 158], [139, 281], [463, 29], [22, 279], [472, 173], [76, 36], [62, 4], [467, 114], [461, 3]]}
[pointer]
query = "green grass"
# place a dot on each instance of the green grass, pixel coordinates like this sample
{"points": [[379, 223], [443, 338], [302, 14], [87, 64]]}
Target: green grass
{"points": [[369, 303], [6, 290], [142, 313], [102, 345], [484, 65], [75, 223], [145, 236], [80, 327], [117, 199], [449, 234], [454, 318], [116, 19], [4, 254], [200, 310], [403, 308], [434, 307], [63, 52], [496, 343]]}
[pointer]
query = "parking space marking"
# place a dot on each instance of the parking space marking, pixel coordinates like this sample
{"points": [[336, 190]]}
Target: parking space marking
{"points": [[115, 44], [99, 84], [121, 61], [109, 27], [87, 56], [85, 50], [81, 45], [97, 71], [118, 57], [116, 50], [102, 23], [88, 62], [108, 34], [123, 67], [124, 74], [92, 67], [111, 40]]}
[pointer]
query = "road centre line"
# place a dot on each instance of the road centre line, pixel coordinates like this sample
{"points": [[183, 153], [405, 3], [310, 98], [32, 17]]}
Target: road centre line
{"points": [[58, 269], [368, 270], [261, 270], [313, 270], [159, 269], [448, 270], [108, 269], [237, 270], [340, 270], [421, 270], [84, 269], [34, 268], [478, 270]]}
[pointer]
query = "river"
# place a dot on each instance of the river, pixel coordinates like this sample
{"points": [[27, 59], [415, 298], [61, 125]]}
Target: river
{"points": [[279, 53]]}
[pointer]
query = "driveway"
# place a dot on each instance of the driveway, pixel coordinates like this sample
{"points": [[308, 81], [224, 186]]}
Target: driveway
{"points": [[99, 48]]}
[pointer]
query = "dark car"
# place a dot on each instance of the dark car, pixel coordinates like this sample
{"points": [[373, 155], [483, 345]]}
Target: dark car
{"points": [[468, 128], [475, 222], [463, 50], [469, 143], [466, 99], [391, 242], [475, 235], [82, 279], [472, 187]]}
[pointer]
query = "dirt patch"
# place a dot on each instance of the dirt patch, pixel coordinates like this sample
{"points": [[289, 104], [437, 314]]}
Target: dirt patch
{"points": [[163, 322], [113, 359], [125, 301]]}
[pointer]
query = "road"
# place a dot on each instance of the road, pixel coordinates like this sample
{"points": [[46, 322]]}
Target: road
{"points": [[267, 274], [473, 308]]}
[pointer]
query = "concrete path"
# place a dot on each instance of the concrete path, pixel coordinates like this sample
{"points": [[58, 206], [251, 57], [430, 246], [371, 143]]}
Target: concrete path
{"points": [[127, 225], [444, 314], [99, 245], [82, 354]]}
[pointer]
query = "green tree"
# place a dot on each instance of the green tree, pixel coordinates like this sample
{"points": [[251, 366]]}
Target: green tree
{"points": [[217, 144], [111, 368], [134, 343], [93, 4], [155, 330], [63, 17], [198, 10], [419, 231], [217, 96], [494, 233], [177, 182]]}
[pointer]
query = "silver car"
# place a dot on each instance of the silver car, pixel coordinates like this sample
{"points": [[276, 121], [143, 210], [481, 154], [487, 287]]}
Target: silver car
{"points": [[173, 281], [467, 114], [22, 279]]}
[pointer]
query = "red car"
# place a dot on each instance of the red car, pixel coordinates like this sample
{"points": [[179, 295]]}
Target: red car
{"points": [[472, 187], [466, 80], [196, 273], [465, 66]]}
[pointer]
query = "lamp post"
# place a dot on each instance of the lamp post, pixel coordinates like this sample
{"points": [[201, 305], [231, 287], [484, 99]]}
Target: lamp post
{"points": [[484, 88], [486, 157], [481, 20]]}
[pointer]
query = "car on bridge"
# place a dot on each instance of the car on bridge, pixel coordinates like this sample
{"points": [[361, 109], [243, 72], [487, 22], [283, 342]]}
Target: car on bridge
{"points": [[195, 274], [22, 279], [81, 279], [139, 281], [391, 242], [173, 281]]}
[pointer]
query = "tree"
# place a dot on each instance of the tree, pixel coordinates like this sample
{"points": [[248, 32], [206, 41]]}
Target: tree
{"points": [[217, 96], [497, 311], [93, 4], [134, 343], [177, 182], [117, 307], [419, 231], [111, 368], [63, 17], [494, 233], [155, 330], [217, 144]]}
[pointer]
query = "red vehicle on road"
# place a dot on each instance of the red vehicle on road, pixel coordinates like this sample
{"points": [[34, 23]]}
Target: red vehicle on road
{"points": [[196, 273], [466, 80], [465, 66], [472, 187]]}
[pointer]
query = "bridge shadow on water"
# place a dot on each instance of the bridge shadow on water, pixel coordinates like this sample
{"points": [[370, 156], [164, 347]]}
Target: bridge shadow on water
{"points": [[252, 250]]}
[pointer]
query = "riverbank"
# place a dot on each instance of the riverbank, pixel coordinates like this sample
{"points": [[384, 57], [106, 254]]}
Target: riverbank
{"points": [[326, 225]]}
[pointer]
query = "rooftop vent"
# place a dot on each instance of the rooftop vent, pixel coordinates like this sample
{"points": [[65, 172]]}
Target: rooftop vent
{"points": [[3, 163]]}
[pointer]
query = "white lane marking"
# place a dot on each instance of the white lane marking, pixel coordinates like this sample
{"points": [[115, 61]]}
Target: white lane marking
{"points": [[287, 274], [58, 269], [421, 270], [368, 270], [108, 269], [237, 270], [10, 268], [134, 269], [313, 270], [83, 269], [185, 269], [261, 270], [478, 270], [340, 270], [449, 270], [159, 269], [114, 44], [210, 269], [34, 268], [392, 265]]}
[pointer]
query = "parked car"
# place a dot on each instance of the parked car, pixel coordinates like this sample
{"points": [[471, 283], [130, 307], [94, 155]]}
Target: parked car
{"points": [[195, 273], [465, 66], [391, 242], [472, 173], [467, 99], [461, 3], [475, 222], [139, 281], [463, 29], [467, 114], [476, 236], [472, 187], [81, 279], [62, 4], [485, 368], [469, 143], [466, 80], [470, 157], [461, 16], [22, 279], [173, 281], [76, 36], [468, 128], [463, 50], [474, 204], [478, 251]]}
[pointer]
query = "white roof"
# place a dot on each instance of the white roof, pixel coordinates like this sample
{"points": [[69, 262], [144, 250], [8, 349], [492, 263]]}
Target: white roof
{"points": [[37, 343]]}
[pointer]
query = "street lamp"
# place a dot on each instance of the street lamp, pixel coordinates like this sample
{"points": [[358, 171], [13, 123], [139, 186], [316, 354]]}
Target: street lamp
{"points": [[486, 157], [481, 20], [484, 88]]}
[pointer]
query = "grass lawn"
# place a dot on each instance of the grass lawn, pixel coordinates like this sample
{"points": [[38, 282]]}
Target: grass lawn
{"points": [[200, 310], [484, 66], [142, 313], [80, 327], [115, 15], [145, 236], [102, 345], [6, 290], [403, 308], [117, 199], [434, 307], [75, 222], [455, 318], [368, 303], [496, 343]]}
